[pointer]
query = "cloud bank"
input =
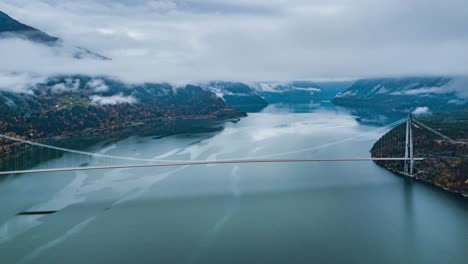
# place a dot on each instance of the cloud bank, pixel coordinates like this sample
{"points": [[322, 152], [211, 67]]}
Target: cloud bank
{"points": [[279, 40]]}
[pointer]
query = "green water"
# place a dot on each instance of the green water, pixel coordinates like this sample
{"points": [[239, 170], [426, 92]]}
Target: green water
{"points": [[253, 213]]}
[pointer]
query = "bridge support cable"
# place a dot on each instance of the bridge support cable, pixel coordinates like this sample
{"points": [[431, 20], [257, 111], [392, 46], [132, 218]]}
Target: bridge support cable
{"points": [[22, 152], [409, 145], [37, 144], [435, 131]]}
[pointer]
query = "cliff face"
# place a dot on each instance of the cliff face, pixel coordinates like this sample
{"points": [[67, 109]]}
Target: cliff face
{"points": [[431, 94], [74, 104], [446, 165]]}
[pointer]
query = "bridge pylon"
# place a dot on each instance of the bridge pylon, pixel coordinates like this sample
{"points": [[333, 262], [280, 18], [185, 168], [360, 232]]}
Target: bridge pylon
{"points": [[409, 157]]}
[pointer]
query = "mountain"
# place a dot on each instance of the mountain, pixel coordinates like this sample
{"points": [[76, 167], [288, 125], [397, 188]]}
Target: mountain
{"points": [[237, 94], [410, 94], [11, 28], [74, 104]]}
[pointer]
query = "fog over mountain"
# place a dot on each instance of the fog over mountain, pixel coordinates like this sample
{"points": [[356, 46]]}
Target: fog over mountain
{"points": [[255, 40]]}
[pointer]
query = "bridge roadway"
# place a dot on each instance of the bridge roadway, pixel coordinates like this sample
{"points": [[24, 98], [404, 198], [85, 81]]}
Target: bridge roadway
{"points": [[206, 162]]}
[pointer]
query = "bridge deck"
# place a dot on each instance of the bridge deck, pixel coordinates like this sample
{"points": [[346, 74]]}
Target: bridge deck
{"points": [[207, 162]]}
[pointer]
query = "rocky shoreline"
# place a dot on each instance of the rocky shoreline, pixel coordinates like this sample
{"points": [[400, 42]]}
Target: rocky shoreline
{"points": [[446, 164]]}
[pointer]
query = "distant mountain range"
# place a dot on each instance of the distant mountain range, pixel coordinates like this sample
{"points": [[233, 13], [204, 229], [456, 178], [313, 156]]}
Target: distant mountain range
{"points": [[417, 95], [11, 28], [254, 96], [410, 94]]}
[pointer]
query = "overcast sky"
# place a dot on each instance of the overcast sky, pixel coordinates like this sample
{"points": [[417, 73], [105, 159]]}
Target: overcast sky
{"points": [[245, 40]]}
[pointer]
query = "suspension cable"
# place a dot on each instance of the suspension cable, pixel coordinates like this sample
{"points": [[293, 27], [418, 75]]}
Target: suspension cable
{"points": [[435, 131]]}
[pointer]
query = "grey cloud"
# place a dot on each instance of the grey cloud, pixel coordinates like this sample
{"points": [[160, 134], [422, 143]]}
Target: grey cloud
{"points": [[18, 82], [246, 40]]}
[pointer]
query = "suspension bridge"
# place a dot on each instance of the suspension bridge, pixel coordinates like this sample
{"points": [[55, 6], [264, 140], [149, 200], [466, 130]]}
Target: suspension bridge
{"points": [[18, 154]]}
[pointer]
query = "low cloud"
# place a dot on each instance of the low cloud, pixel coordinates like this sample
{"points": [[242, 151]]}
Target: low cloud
{"points": [[113, 100], [97, 85], [18, 82]]}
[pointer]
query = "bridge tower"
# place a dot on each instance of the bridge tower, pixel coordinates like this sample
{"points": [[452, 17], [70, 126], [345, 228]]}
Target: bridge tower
{"points": [[409, 158]]}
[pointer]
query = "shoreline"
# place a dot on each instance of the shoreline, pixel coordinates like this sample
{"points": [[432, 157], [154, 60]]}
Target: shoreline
{"points": [[421, 180]]}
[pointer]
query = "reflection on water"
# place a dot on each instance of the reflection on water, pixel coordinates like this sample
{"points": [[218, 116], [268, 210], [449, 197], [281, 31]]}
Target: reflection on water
{"points": [[292, 108], [366, 116], [408, 218], [239, 213]]}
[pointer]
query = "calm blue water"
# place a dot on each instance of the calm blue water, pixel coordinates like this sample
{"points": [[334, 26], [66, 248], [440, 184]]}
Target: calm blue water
{"points": [[254, 213]]}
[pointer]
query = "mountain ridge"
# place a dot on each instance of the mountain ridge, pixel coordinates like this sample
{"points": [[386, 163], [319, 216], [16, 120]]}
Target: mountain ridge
{"points": [[74, 104]]}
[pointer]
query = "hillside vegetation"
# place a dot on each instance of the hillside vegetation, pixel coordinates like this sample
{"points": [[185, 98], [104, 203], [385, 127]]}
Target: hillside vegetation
{"points": [[76, 104], [446, 165]]}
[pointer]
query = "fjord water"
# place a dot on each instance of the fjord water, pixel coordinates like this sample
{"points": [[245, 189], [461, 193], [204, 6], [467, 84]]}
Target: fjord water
{"points": [[337, 212]]}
